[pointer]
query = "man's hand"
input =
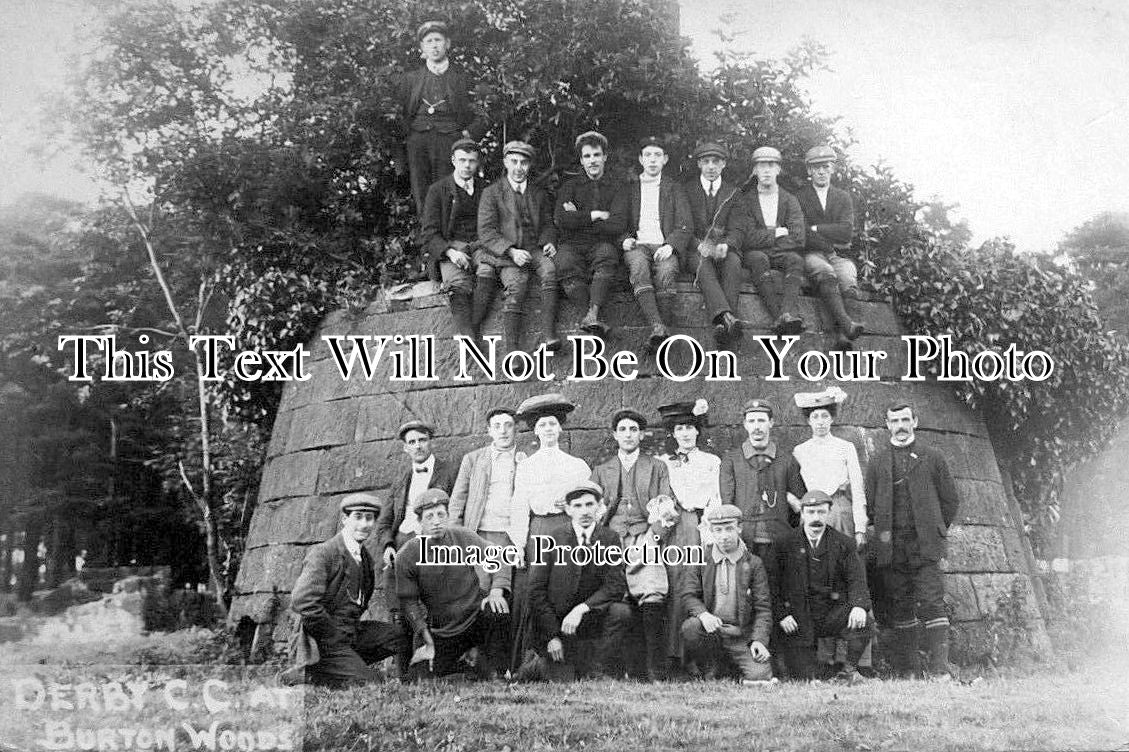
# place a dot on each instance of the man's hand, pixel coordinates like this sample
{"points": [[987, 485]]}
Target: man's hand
{"points": [[759, 651], [571, 622], [556, 649], [520, 257], [628, 243], [721, 250], [663, 252], [781, 232], [856, 619], [860, 540], [389, 557], [710, 623], [496, 600], [568, 206], [550, 250], [519, 559], [458, 258], [789, 625], [703, 250], [597, 215]]}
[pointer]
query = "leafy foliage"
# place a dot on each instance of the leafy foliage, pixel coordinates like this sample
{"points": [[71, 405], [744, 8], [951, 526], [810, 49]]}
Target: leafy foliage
{"points": [[1099, 250]]}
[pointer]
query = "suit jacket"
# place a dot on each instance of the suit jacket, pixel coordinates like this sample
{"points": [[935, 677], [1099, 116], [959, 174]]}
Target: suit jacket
{"points": [[651, 479], [754, 604], [577, 226], [674, 213], [437, 226], [731, 215], [499, 223], [555, 590], [320, 594], [739, 478], [834, 225], [393, 511], [468, 499], [761, 237], [788, 577], [932, 492], [411, 93]]}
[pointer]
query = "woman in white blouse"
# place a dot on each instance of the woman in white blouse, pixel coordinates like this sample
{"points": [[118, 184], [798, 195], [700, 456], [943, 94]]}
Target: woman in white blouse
{"points": [[694, 473]]}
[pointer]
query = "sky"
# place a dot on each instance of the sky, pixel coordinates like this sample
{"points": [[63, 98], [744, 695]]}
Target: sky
{"points": [[1014, 109]]}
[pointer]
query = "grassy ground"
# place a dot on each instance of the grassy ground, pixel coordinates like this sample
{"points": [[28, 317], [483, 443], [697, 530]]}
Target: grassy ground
{"points": [[1086, 708]]}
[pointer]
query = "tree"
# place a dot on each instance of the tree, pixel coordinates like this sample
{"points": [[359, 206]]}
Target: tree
{"points": [[1099, 250]]}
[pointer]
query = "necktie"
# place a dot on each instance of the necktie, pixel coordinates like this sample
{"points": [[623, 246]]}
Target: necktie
{"points": [[584, 539], [421, 469], [711, 189]]}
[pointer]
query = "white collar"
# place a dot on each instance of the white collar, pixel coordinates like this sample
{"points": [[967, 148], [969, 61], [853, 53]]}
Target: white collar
{"points": [[814, 543], [518, 187], [646, 179], [439, 68], [581, 531], [628, 456], [429, 464], [352, 546], [707, 183]]}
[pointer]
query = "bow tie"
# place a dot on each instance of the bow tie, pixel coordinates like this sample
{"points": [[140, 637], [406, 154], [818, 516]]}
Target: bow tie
{"points": [[682, 457], [419, 469]]}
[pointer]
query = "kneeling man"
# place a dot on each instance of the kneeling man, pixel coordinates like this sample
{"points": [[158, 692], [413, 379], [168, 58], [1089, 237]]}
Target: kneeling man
{"points": [[332, 645], [728, 602], [818, 590], [445, 604]]}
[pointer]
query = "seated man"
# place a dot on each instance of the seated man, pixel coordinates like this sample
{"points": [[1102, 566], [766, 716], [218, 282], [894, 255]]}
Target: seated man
{"points": [[773, 243], [517, 238], [728, 602], [829, 215], [719, 216], [658, 229], [573, 603], [819, 589], [588, 232], [449, 234], [444, 603], [331, 645]]}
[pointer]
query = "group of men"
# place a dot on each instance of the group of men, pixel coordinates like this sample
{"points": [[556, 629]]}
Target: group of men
{"points": [[480, 238], [775, 576]]}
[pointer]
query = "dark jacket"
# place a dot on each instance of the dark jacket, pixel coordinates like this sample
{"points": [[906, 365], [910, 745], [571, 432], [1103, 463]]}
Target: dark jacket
{"points": [[577, 226], [555, 590], [437, 227], [739, 479], [393, 511], [651, 479], [835, 225], [674, 213], [462, 109], [499, 222], [761, 237], [788, 577], [754, 605], [932, 492], [732, 215], [321, 596]]}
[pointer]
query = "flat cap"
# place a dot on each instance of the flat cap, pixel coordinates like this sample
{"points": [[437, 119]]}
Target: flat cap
{"points": [[584, 487], [432, 497], [466, 144], [719, 514], [414, 425], [814, 498], [767, 154], [629, 414], [428, 27], [710, 149], [519, 147], [830, 396], [756, 406], [500, 411], [591, 137], [651, 141], [359, 502], [544, 404], [684, 413], [820, 154]]}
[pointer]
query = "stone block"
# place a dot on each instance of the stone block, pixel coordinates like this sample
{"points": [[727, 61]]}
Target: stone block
{"points": [[294, 474], [1011, 592], [268, 567], [280, 433], [321, 425], [960, 596], [975, 548], [982, 503], [360, 467], [309, 519]]}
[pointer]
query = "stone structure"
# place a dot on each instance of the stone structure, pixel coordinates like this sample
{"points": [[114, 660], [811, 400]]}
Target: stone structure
{"points": [[335, 436]]}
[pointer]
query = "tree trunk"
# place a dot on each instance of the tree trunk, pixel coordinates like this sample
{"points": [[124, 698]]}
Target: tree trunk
{"points": [[29, 570], [7, 542]]}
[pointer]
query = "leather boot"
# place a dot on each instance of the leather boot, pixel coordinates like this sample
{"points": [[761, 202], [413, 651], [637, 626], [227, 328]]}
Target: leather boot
{"points": [[460, 304], [550, 336], [852, 300], [903, 651], [654, 635], [591, 323], [768, 287], [598, 291], [833, 299], [511, 330], [650, 308], [484, 290], [937, 650], [790, 320]]}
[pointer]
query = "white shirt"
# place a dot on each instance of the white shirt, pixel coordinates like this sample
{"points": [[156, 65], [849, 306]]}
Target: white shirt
{"points": [[628, 460], [710, 185], [829, 464], [540, 482], [353, 546], [814, 542], [418, 484], [650, 224], [583, 534], [439, 68], [695, 480], [769, 202], [467, 186], [499, 490], [822, 194], [518, 187]]}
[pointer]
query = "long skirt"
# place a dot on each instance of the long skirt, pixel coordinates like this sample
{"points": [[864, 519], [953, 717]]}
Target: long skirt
{"points": [[522, 617]]}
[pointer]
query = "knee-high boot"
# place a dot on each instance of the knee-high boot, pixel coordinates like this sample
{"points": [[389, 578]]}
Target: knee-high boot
{"points": [[461, 316], [833, 299], [654, 635], [549, 296]]}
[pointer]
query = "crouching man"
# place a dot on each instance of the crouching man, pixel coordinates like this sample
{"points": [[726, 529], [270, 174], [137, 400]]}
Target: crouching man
{"points": [[332, 646], [729, 604], [819, 590], [445, 604]]}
